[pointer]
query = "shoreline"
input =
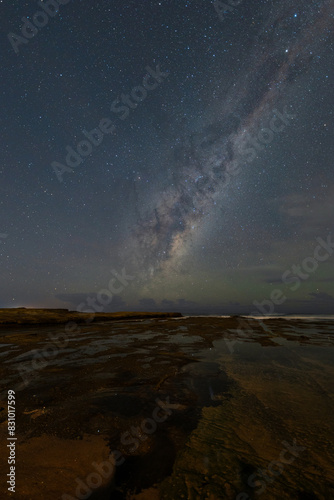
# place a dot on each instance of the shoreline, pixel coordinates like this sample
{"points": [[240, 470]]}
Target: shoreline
{"points": [[46, 316], [31, 316]]}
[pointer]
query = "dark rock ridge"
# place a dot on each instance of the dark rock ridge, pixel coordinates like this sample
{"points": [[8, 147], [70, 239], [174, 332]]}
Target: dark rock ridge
{"points": [[23, 316]]}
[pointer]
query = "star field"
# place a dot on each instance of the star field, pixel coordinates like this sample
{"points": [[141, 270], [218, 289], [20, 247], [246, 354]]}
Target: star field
{"points": [[212, 175]]}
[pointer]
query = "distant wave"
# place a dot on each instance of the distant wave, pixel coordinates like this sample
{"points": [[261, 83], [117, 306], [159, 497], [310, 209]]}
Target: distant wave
{"points": [[306, 317], [292, 316]]}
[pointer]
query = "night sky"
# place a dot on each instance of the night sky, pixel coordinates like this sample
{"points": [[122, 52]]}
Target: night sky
{"points": [[211, 174]]}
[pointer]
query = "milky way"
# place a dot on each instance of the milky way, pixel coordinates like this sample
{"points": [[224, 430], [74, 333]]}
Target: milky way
{"points": [[206, 161]]}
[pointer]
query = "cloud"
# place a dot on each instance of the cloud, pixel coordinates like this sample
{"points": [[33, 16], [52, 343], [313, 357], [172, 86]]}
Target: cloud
{"points": [[186, 303], [273, 280], [165, 305], [73, 300], [148, 304], [234, 304], [320, 296], [311, 213]]}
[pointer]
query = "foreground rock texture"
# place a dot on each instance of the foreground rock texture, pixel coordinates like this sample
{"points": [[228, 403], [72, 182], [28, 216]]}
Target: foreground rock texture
{"points": [[169, 408]]}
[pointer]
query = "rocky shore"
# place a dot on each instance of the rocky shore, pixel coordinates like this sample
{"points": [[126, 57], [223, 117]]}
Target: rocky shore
{"points": [[167, 408], [25, 316]]}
